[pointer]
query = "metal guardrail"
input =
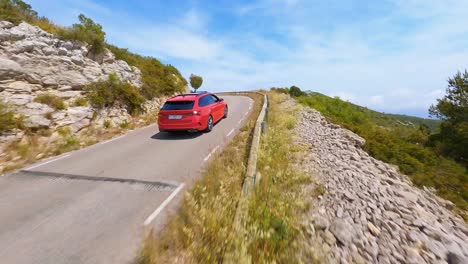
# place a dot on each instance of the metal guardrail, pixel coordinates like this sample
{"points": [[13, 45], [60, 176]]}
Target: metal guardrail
{"points": [[239, 255]]}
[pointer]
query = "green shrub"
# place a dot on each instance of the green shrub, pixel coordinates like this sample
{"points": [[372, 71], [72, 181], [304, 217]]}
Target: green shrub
{"points": [[124, 125], [295, 91], [80, 101], [107, 124], [113, 92], [51, 100], [158, 79], [15, 11], [87, 31], [7, 118], [64, 131]]}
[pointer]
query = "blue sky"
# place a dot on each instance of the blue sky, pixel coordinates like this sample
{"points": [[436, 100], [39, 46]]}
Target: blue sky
{"points": [[389, 55]]}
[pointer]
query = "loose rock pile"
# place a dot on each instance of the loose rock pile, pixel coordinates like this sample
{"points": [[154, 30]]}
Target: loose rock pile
{"points": [[368, 212]]}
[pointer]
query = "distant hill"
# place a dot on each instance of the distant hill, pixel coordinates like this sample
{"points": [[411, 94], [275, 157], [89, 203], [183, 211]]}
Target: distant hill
{"points": [[389, 120]]}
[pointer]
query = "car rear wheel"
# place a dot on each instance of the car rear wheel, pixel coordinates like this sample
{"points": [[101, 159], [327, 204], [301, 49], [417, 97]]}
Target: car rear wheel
{"points": [[225, 112], [209, 124]]}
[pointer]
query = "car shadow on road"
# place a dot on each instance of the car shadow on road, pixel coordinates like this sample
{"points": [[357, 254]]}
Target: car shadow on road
{"points": [[176, 135]]}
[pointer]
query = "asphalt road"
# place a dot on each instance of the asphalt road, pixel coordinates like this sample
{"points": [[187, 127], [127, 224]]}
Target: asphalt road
{"points": [[94, 205]]}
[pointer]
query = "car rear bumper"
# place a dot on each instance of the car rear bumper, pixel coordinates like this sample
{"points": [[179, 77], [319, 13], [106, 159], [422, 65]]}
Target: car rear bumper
{"points": [[194, 125]]}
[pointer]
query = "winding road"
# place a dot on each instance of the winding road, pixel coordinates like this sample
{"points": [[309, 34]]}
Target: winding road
{"points": [[94, 205]]}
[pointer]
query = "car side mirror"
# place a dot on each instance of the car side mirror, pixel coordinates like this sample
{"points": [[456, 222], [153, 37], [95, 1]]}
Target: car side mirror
{"points": [[221, 99]]}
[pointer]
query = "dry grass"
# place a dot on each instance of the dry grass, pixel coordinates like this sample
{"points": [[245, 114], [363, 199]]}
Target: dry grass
{"points": [[273, 225], [200, 232], [40, 144], [51, 100]]}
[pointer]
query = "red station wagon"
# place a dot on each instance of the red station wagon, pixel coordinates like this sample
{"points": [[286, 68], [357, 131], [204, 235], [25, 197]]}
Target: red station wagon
{"points": [[192, 112]]}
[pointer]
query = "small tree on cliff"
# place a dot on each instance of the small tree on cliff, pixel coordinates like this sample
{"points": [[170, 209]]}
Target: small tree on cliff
{"points": [[195, 81]]}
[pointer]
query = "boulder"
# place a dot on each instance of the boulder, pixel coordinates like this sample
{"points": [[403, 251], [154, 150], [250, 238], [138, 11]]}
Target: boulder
{"points": [[67, 45], [49, 81], [20, 87], [72, 78], [68, 94], [19, 99], [62, 51], [49, 51], [77, 59], [34, 108], [9, 69], [342, 230], [92, 73], [27, 46], [6, 24], [77, 117], [37, 121]]}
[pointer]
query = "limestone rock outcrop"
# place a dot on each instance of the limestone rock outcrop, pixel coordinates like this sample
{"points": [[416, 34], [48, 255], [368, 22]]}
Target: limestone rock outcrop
{"points": [[34, 62]]}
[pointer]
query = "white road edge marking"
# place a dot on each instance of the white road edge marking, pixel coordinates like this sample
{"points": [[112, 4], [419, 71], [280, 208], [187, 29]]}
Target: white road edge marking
{"points": [[230, 132], [211, 153], [112, 139], [240, 121], [44, 163], [163, 205]]}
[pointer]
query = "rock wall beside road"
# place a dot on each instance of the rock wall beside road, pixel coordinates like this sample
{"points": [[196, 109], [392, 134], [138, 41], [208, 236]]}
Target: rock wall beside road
{"points": [[366, 211], [34, 62]]}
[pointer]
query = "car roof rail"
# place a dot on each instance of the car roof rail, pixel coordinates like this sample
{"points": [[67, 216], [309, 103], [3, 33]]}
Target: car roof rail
{"points": [[194, 93]]}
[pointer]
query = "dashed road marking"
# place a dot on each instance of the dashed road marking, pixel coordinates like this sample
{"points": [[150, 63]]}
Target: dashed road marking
{"points": [[230, 132], [211, 153], [163, 205], [52, 160]]}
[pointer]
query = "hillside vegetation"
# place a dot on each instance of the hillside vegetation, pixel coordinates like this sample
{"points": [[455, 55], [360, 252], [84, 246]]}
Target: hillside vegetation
{"points": [[158, 79], [389, 139]]}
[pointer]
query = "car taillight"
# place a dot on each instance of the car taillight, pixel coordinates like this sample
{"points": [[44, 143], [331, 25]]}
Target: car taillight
{"points": [[196, 113]]}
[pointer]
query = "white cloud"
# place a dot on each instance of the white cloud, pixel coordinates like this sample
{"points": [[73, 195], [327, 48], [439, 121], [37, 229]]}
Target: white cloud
{"points": [[396, 56]]}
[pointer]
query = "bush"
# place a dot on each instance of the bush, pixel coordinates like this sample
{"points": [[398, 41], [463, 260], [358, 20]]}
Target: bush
{"points": [[107, 124], [80, 101], [114, 92], [158, 79], [15, 11], [51, 100], [295, 91], [7, 118], [86, 31], [284, 90]]}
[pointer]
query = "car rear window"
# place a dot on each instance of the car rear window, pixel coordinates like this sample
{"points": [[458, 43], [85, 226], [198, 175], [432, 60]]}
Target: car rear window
{"points": [[178, 105]]}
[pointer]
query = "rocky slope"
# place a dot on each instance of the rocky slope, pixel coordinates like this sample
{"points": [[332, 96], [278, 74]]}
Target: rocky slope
{"points": [[365, 211], [34, 62]]}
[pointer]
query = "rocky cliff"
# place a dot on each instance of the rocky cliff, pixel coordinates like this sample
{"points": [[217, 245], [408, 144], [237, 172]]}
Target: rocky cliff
{"points": [[365, 211], [34, 62]]}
